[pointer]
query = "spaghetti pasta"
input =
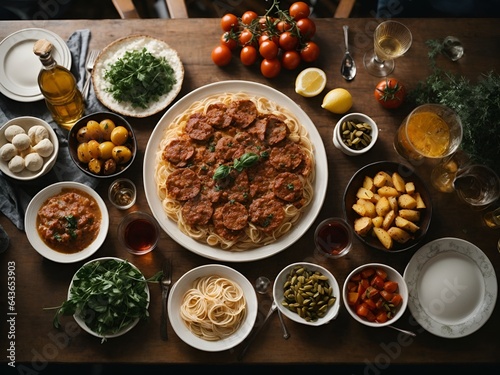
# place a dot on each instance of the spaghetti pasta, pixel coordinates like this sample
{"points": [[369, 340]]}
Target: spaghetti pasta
{"points": [[213, 308], [268, 164]]}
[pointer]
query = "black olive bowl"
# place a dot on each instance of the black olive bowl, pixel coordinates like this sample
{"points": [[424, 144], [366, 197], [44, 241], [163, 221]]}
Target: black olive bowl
{"points": [[409, 175], [73, 143]]}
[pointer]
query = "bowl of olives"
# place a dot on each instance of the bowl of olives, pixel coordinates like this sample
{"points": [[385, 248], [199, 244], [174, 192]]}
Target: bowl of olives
{"points": [[102, 144]]}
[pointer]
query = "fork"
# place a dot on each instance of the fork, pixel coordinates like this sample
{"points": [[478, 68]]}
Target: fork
{"points": [[165, 282], [89, 66]]}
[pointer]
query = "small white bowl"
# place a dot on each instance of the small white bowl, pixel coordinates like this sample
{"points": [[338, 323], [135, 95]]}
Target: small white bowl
{"points": [[278, 294], [392, 275], [81, 322], [26, 122], [186, 282], [358, 118], [30, 223]]}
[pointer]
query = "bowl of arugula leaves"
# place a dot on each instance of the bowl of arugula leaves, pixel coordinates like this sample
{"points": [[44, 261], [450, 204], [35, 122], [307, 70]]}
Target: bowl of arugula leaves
{"points": [[107, 297]]}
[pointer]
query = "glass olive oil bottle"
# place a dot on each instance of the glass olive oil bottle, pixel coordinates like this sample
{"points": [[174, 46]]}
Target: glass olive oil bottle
{"points": [[58, 86]]}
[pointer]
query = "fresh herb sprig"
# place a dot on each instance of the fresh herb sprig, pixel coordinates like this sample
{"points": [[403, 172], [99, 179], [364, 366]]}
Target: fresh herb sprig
{"points": [[477, 104], [108, 295], [139, 78], [245, 161]]}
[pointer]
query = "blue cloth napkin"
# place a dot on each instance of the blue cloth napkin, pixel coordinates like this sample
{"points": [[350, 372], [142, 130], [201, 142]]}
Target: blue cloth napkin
{"points": [[16, 195]]}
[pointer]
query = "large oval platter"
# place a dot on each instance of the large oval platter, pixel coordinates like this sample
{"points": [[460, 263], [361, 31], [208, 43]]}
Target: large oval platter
{"points": [[309, 214], [115, 51]]}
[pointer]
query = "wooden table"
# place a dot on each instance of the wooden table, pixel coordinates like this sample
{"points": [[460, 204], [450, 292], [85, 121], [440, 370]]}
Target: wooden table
{"points": [[40, 283]]}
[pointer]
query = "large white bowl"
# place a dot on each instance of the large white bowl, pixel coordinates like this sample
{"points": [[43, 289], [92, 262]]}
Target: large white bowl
{"points": [[392, 275], [81, 322], [27, 122], [30, 224], [278, 291], [186, 282]]}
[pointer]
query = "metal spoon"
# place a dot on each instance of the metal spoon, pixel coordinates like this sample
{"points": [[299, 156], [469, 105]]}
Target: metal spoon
{"points": [[348, 67], [403, 330]]}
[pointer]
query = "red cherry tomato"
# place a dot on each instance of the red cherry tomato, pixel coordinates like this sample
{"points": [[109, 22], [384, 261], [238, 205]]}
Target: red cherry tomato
{"points": [[265, 36], [248, 55], [268, 49], [307, 28], [248, 17], [288, 41], [310, 52], [282, 26], [246, 38], [226, 40], [270, 68], [290, 60], [390, 93], [229, 22], [221, 55], [299, 10]]}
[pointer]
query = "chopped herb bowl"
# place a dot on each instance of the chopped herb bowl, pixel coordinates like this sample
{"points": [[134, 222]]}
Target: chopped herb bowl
{"points": [[107, 297]]}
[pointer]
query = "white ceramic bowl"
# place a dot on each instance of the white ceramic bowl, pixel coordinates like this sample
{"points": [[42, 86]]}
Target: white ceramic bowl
{"points": [[278, 292], [26, 122], [392, 275], [81, 322], [39, 245], [358, 118], [186, 282]]}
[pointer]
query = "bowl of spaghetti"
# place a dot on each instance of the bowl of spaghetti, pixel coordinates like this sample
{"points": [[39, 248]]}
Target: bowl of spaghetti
{"points": [[218, 289]]}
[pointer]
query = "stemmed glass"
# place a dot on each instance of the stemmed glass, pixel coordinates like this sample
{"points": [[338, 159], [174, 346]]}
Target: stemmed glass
{"points": [[391, 40]]}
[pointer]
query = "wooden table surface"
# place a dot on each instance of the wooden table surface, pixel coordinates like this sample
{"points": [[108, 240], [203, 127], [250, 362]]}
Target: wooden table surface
{"points": [[40, 283]]}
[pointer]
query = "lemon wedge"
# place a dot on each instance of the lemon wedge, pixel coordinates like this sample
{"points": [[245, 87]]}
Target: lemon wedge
{"points": [[338, 101], [310, 82]]}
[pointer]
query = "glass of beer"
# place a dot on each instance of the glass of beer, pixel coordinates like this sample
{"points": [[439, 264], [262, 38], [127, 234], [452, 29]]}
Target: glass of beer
{"points": [[429, 131], [391, 40]]}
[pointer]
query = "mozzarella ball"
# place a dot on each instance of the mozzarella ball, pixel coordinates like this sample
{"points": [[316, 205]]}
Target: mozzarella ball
{"points": [[37, 133], [21, 141], [8, 151], [16, 164], [12, 131], [44, 148], [33, 162]]}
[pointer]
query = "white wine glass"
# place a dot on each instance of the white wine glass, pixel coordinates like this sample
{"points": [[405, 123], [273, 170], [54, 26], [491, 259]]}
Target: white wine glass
{"points": [[391, 40]]}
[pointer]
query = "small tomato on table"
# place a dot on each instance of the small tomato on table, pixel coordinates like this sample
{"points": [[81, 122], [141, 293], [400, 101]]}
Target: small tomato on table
{"points": [[390, 93]]}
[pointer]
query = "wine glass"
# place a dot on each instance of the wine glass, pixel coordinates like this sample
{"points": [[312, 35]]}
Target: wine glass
{"points": [[262, 284], [391, 40]]}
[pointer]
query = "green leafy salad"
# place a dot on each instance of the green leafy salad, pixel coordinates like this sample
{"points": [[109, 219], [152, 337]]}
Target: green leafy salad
{"points": [[139, 78], [108, 295]]}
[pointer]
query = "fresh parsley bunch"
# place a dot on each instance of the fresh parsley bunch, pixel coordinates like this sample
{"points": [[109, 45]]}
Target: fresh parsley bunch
{"points": [[139, 78], [108, 295]]}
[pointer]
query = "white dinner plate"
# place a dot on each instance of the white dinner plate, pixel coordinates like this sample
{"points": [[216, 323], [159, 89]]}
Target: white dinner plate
{"points": [[115, 51], [309, 214], [19, 66], [452, 287]]}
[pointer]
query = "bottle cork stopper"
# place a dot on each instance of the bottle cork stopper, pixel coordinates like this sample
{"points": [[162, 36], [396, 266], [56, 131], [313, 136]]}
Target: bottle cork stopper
{"points": [[42, 47]]}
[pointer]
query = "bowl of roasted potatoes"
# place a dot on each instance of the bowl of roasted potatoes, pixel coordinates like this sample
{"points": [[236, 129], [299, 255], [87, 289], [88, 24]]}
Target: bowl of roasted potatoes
{"points": [[388, 206], [102, 144]]}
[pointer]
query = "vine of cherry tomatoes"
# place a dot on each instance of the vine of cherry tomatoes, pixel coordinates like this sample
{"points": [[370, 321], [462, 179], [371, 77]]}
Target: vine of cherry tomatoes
{"points": [[281, 40]]}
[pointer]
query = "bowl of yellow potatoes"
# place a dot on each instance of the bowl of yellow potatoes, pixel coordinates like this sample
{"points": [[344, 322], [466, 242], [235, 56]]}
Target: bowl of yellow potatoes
{"points": [[102, 144], [388, 206]]}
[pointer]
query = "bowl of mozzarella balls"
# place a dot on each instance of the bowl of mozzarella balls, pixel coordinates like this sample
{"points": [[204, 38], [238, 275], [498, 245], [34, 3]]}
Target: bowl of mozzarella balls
{"points": [[28, 148]]}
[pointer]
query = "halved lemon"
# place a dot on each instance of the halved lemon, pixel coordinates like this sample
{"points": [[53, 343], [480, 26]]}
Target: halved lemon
{"points": [[310, 82], [338, 101]]}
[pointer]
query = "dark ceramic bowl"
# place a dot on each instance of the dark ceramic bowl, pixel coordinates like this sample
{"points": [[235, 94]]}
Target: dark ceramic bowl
{"points": [[74, 140], [409, 175]]}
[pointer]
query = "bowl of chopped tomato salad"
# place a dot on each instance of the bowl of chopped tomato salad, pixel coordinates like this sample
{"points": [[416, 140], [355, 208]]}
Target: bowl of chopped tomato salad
{"points": [[375, 294]]}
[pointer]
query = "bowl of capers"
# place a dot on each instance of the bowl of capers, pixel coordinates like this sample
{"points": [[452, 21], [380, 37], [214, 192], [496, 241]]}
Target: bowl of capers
{"points": [[102, 144], [307, 293], [355, 133]]}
